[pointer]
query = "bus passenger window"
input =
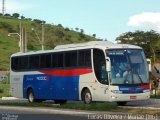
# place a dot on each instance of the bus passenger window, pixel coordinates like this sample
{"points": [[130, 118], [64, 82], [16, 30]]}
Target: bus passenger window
{"points": [[71, 59], [45, 61], [54, 61], [84, 58], [14, 63], [34, 62], [60, 60]]}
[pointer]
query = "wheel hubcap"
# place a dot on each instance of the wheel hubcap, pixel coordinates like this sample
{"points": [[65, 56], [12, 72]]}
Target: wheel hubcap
{"points": [[31, 98], [88, 98]]}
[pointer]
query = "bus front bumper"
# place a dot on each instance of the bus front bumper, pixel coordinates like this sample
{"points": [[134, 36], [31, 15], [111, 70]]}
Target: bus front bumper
{"points": [[114, 97]]}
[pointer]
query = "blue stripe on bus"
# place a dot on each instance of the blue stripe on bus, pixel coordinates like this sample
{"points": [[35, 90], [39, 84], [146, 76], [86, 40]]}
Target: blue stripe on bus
{"points": [[131, 89], [52, 87]]}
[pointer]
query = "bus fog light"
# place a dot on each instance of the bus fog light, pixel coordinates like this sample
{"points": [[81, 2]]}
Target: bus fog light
{"points": [[113, 97], [116, 91]]}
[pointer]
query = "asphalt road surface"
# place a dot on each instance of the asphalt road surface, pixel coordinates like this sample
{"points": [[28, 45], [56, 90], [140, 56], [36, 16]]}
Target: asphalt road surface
{"points": [[13, 114], [30, 115], [36, 114], [155, 103]]}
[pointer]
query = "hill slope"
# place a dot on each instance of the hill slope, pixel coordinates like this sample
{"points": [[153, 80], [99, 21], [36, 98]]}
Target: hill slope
{"points": [[54, 35]]}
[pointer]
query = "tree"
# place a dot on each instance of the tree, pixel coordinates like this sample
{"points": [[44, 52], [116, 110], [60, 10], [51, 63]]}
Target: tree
{"points": [[15, 15], [22, 17], [59, 25], [43, 22], [67, 29], [94, 35], [149, 41], [82, 31], [7, 15], [59, 33], [37, 21], [77, 29]]}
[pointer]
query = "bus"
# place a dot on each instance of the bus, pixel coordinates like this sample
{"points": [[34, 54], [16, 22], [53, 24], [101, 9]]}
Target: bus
{"points": [[91, 71]]}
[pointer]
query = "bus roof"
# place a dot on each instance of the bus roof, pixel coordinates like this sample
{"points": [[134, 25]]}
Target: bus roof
{"points": [[91, 44]]}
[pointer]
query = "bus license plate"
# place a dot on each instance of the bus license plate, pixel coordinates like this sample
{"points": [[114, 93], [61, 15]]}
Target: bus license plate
{"points": [[133, 97]]}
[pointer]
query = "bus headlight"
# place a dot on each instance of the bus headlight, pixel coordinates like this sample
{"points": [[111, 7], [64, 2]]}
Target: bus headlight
{"points": [[145, 91], [116, 91]]}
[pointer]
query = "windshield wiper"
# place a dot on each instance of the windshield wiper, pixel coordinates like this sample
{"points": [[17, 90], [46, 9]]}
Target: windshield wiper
{"points": [[139, 76]]}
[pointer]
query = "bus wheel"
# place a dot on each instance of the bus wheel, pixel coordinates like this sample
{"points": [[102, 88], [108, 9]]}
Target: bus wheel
{"points": [[31, 97], [121, 103], [86, 96]]}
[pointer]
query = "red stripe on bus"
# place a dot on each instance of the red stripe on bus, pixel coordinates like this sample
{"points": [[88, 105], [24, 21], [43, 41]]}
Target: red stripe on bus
{"points": [[72, 72], [145, 86]]}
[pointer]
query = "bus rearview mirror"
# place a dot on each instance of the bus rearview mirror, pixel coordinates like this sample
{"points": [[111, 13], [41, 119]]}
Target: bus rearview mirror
{"points": [[108, 64]]}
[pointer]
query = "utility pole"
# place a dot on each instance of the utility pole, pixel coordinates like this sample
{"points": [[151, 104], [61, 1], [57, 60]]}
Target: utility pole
{"points": [[42, 36], [22, 38], [3, 7], [41, 41]]}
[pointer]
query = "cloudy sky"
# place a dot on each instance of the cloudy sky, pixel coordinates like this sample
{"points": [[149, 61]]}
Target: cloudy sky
{"points": [[105, 18]]}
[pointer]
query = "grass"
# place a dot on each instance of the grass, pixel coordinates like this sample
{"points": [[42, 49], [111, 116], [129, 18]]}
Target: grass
{"points": [[101, 107], [92, 106], [142, 111], [4, 90], [157, 96], [77, 106], [26, 104], [54, 35]]}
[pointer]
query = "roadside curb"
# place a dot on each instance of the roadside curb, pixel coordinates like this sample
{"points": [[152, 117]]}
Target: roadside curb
{"points": [[49, 110], [61, 111], [151, 108], [9, 98]]}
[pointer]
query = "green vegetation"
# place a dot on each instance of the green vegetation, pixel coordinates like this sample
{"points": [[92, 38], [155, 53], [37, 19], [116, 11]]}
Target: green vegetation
{"points": [[92, 107], [77, 106], [157, 96], [142, 111], [149, 41], [4, 90], [26, 104], [54, 35]]}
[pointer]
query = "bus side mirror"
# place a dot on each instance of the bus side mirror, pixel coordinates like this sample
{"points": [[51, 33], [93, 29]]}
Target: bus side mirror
{"points": [[108, 64], [149, 65]]}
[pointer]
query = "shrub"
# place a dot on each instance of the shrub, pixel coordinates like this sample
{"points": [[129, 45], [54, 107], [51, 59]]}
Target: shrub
{"points": [[1, 90]]}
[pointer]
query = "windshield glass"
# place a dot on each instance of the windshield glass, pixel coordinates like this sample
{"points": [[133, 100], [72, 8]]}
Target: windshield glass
{"points": [[128, 66]]}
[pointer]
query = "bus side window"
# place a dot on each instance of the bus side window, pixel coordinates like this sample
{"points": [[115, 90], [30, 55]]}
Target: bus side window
{"points": [[23, 63], [84, 58], [54, 60], [45, 61], [57, 60], [34, 62], [15, 64], [60, 60]]}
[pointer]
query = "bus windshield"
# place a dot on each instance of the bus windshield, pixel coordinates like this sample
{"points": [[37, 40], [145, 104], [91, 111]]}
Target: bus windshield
{"points": [[128, 66]]}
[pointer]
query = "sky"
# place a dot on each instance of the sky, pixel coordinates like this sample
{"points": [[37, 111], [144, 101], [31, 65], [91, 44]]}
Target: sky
{"points": [[106, 18]]}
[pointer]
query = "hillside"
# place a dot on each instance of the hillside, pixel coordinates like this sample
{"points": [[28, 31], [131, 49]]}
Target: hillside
{"points": [[54, 35]]}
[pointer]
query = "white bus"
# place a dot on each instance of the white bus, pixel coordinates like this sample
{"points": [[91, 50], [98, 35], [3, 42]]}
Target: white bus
{"points": [[92, 71]]}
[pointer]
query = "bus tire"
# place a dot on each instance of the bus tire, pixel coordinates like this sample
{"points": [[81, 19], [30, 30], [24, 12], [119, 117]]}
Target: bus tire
{"points": [[86, 96], [121, 103], [31, 96]]}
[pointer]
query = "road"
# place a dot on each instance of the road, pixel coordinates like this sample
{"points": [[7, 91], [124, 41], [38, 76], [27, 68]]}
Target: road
{"points": [[155, 103], [30, 115]]}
